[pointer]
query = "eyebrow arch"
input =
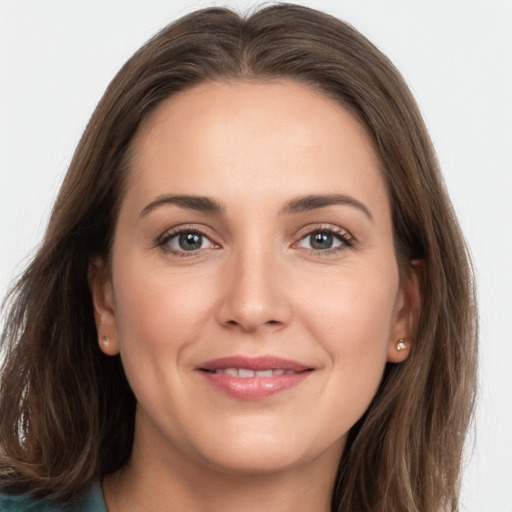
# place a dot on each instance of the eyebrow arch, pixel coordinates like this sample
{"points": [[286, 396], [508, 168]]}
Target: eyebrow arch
{"points": [[199, 203], [311, 202]]}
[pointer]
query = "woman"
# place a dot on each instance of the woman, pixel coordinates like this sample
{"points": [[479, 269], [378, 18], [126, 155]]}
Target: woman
{"points": [[255, 234]]}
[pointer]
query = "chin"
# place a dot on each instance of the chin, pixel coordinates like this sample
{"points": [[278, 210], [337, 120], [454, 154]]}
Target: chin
{"points": [[260, 460], [260, 453]]}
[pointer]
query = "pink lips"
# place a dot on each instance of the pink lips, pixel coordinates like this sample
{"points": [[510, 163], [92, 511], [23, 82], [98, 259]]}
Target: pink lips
{"points": [[253, 378]]}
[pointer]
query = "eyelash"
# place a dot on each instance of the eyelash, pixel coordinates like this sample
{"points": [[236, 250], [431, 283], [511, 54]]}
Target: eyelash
{"points": [[346, 240], [343, 236], [165, 238]]}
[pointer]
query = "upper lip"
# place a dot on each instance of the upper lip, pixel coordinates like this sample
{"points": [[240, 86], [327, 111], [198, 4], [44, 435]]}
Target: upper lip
{"points": [[260, 363]]}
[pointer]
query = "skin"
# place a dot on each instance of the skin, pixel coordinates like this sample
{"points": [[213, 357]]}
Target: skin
{"points": [[255, 287]]}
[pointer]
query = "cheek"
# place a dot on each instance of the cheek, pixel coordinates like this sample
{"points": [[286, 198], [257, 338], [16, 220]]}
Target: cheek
{"points": [[158, 307], [159, 314], [351, 318], [353, 309]]}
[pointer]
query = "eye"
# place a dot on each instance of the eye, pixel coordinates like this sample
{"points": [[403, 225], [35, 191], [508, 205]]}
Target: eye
{"points": [[186, 241], [320, 241], [325, 240]]}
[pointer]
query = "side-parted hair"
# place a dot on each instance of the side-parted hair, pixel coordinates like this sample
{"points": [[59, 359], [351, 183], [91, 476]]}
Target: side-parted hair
{"points": [[67, 412]]}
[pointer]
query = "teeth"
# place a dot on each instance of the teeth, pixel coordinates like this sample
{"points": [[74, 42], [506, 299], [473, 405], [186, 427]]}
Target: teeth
{"points": [[264, 373], [246, 373]]}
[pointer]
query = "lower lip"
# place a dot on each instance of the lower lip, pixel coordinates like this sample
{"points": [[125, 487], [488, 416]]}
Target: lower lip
{"points": [[254, 388]]}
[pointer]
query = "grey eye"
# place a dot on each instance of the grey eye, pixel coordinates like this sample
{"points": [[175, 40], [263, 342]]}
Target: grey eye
{"points": [[320, 241], [188, 241]]}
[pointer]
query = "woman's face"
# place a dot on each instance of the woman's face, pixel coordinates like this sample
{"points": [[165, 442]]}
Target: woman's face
{"points": [[254, 293]]}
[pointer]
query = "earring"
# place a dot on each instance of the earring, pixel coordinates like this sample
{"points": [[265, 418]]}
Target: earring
{"points": [[400, 345], [105, 341]]}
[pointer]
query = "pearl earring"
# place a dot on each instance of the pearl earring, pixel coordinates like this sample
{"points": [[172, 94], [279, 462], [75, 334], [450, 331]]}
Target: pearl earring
{"points": [[400, 345], [105, 341]]}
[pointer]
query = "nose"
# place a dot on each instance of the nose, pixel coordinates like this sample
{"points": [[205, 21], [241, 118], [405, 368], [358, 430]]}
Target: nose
{"points": [[254, 294]]}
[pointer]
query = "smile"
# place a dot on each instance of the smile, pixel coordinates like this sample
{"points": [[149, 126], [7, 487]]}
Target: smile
{"points": [[246, 373], [257, 378]]}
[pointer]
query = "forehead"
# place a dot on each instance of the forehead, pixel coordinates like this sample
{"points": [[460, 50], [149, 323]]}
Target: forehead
{"points": [[224, 138]]}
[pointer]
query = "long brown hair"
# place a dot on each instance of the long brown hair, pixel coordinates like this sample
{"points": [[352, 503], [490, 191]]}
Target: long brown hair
{"points": [[67, 412]]}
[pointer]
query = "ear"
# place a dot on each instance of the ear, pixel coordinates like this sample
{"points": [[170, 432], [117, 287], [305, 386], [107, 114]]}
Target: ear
{"points": [[406, 314], [100, 284]]}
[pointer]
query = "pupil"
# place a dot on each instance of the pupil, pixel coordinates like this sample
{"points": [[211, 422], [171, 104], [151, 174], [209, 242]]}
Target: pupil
{"points": [[190, 241], [321, 241]]}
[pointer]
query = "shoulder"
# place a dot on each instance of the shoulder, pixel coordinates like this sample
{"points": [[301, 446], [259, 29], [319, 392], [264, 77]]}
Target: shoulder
{"points": [[92, 502]]}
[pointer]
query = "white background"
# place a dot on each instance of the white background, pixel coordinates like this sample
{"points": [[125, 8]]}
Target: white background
{"points": [[57, 56]]}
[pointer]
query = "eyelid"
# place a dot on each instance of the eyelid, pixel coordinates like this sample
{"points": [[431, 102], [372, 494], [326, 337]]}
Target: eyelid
{"points": [[163, 239], [347, 239]]}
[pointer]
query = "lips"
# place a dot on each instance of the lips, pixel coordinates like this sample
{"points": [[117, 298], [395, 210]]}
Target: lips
{"points": [[253, 378], [246, 373]]}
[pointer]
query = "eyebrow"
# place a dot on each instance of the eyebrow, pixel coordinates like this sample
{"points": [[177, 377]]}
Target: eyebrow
{"points": [[298, 205], [311, 202], [199, 203]]}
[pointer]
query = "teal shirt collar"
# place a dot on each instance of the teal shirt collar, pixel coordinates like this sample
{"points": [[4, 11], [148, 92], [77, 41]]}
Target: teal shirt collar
{"points": [[93, 501]]}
